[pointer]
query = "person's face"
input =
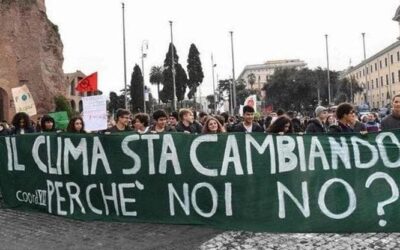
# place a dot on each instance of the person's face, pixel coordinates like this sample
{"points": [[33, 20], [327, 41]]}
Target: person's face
{"points": [[188, 117], [138, 125], [22, 123], [371, 117], [331, 120], [212, 126], [161, 122], [350, 117], [48, 125], [323, 115], [78, 125], [172, 121], [123, 120], [286, 127], [396, 105], [248, 117]]}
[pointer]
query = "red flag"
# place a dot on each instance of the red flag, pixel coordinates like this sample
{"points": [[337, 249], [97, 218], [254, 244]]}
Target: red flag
{"points": [[87, 84]]}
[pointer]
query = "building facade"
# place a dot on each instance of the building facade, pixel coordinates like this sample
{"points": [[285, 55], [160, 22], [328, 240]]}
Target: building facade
{"points": [[263, 72], [378, 75]]}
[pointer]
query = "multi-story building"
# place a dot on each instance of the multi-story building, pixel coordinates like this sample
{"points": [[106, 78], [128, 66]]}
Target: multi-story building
{"points": [[263, 72], [378, 75]]}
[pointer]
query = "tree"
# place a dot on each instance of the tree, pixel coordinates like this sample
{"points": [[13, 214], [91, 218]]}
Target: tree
{"points": [[294, 89], [62, 104], [195, 71], [156, 77], [251, 79], [116, 102], [180, 77], [137, 90], [211, 100]]}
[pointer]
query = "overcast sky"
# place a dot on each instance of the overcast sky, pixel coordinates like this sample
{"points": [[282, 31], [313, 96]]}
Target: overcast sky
{"points": [[91, 31]]}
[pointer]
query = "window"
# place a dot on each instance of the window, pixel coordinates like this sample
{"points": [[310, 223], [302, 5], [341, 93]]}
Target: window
{"points": [[363, 72], [398, 55], [376, 66], [376, 82], [371, 69], [381, 80], [392, 77], [398, 75], [372, 84], [387, 79], [380, 64], [391, 59], [367, 85], [385, 62]]}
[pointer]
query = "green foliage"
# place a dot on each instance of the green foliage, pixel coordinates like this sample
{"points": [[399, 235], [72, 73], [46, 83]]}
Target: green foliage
{"points": [[195, 71], [180, 78], [156, 77], [62, 104], [251, 78], [116, 102], [137, 90], [293, 89]]}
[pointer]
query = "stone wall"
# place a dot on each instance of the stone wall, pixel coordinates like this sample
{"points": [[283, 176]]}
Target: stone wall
{"points": [[31, 52]]}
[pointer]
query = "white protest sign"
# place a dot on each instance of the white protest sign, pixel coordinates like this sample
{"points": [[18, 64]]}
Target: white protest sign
{"points": [[23, 100], [95, 112]]}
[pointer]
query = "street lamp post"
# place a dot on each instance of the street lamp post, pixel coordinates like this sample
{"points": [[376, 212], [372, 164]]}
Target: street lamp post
{"points": [[233, 75], [215, 96], [173, 70], [124, 51], [145, 47], [365, 69], [327, 63]]}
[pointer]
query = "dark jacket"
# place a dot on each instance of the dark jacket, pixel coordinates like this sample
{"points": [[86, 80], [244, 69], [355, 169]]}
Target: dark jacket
{"points": [[193, 128], [315, 126], [255, 128], [152, 129], [390, 122], [27, 130]]}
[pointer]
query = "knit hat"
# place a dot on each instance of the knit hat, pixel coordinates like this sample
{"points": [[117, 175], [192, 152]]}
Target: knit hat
{"points": [[319, 110]]}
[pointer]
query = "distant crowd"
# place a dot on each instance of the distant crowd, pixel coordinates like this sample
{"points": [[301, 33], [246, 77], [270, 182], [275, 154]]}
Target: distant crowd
{"points": [[337, 119]]}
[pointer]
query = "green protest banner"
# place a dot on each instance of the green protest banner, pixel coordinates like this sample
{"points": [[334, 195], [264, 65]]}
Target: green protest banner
{"points": [[61, 119], [258, 182]]}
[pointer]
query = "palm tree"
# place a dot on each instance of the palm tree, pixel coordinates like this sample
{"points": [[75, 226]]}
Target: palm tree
{"points": [[156, 77], [251, 79]]}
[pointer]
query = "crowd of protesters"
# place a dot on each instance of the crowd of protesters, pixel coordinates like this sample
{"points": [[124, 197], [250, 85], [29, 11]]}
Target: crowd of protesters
{"points": [[337, 119]]}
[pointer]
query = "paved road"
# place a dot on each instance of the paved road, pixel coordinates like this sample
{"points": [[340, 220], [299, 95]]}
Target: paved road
{"points": [[30, 230]]}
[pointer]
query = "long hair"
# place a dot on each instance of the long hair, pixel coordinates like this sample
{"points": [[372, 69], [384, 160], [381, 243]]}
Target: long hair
{"points": [[71, 125], [220, 129], [43, 121], [21, 116], [279, 125]]}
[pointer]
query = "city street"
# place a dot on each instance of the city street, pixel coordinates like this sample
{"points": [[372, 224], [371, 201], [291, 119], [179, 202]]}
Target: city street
{"points": [[31, 230]]}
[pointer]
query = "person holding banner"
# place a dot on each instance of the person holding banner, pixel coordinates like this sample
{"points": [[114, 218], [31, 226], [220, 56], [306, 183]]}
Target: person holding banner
{"points": [[392, 121], [345, 114], [121, 122], [212, 126], [160, 123], [282, 126], [47, 124], [187, 123], [317, 125], [21, 124], [76, 125], [141, 123], [248, 125]]}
